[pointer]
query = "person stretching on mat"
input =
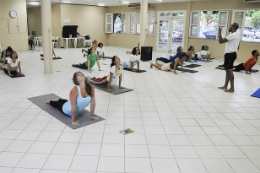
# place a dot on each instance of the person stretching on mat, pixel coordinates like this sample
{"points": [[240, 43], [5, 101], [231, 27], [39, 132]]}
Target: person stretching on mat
{"points": [[208, 52], [6, 53], [202, 54], [94, 45], [249, 64], [92, 59], [115, 74], [81, 96], [165, 60], [133, 60], [173, 65], [232, 45], [191, 54], [12, 64], [100, 51]]}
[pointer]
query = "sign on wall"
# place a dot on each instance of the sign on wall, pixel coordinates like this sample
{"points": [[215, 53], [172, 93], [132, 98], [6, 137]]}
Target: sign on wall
{"points": [[66, 20]]}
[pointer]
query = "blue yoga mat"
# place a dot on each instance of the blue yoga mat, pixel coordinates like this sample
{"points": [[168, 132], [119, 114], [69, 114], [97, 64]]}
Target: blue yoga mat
{"points": [[256, 94], [203, 61]]}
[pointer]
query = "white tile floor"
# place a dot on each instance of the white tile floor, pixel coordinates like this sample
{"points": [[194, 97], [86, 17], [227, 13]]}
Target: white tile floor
{"points": [[182, 123]]}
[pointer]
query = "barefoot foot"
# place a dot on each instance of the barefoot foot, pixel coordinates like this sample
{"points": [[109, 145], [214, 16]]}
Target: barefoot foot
{"points": [[151, 66], [48, 102], [230, 91], [222, 88]]}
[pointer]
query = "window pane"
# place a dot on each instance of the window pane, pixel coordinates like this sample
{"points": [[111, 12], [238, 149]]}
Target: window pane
{"points": [[123, 18], [208, 24], [181, 14], [123, 28], [117, 22], [137, 28], [223, 32], [109, 28], [174, 14], [137, 18], [151, 17], [132, 28], [223, 18], [239, 18], [162, 14], [194, 31], [151, 29], [252, 26], [108, 18], [168, 14], [195, 18], [132, 18]]}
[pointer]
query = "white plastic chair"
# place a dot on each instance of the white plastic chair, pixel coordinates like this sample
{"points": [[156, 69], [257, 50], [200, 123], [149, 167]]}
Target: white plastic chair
{"points": [[53, 40], [86, 41], [40, 40], [57, 41], [35, 41]]}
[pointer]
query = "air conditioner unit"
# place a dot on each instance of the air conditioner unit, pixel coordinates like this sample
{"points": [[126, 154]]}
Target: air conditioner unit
{"points": [[252, 0], [135, 5]]}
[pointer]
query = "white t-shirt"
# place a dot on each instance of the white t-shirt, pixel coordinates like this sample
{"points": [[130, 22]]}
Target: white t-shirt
{"points": [[13, 65], [202, 52], [100, 51], [115, 74], [134, 59], [233, 42]]}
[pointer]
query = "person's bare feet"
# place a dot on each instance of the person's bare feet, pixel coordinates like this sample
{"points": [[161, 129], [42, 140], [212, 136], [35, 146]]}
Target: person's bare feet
{"points": [[222, 88], [48, 102], [229, 91]]}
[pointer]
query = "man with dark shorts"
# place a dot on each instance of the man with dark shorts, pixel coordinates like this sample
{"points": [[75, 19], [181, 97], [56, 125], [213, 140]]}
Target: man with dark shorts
{"points": [[232, 46]]}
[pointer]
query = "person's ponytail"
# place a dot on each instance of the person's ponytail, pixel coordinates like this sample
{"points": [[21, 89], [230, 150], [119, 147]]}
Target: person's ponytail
{"points": [[88, 87], [113, 61]]}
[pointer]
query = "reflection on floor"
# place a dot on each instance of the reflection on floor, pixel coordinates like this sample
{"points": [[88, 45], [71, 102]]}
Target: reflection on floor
{"points": [[181, 123]]}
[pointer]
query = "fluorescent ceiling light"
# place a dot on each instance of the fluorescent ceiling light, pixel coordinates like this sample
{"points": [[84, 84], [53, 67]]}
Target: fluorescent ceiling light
{"points": [[124, 2], [34, 3], [159, 0], [101, 4], [66, 1]]}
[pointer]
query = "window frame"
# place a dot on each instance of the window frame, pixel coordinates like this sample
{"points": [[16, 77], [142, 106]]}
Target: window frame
{"points": [[137, 23], [198, 25], [124, 23], [243, 22], [227, 20], [148, 22], [129, 22], [106, 23]]}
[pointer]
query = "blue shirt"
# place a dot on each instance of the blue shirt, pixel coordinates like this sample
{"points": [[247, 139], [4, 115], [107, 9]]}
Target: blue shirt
{"points": [[176, 56], [81, 104]]}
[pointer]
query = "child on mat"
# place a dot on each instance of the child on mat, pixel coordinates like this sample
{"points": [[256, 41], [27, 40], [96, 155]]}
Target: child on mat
{"points": [[133, 60], [191, 54], [208, 52], [94, 45], [12, 64], [115, 74], [6, 53], [100, 51], [173, 65], [203, 54], [92, 59], [166, 60], [81, 96]]}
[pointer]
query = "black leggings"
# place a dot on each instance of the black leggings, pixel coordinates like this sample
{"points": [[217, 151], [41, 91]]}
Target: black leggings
{"points": [[58, 104], [165, 60], [14, 73], [239, 67], [82, 66]]}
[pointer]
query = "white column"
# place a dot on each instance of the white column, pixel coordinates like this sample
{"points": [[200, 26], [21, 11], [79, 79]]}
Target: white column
{"points": [[143, 22], [46, 35]]}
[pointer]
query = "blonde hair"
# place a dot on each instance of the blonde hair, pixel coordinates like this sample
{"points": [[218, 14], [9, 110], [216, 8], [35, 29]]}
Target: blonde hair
{"points": [[179, 49]]}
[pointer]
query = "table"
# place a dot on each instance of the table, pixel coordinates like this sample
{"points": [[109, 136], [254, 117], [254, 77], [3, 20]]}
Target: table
{"points": [[75, 41]]}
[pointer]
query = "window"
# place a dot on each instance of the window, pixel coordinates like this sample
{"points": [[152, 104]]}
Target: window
{"points": [[115, 23], [109, 23], [123, 22], [132, 23], [151, 23], [205, 24], [137, 22], [249, 24]]}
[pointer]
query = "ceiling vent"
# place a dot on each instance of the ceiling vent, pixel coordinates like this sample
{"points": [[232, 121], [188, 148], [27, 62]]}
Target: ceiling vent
{"points": [[252, 0]]}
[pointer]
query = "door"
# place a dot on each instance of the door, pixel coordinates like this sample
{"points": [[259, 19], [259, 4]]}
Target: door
{"points": [[177, 30], [163, 35]]}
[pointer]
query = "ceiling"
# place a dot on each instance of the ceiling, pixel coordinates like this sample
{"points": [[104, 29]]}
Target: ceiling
{"points": [[105, 2]]}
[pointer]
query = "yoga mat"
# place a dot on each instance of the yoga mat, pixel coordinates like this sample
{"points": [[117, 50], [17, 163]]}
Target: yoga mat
{"points": [[187, 70], [256, 94], [252, 70], [18, 75], [84, 117], [201, 60], [115, 88], [53, 58], [192, 61], [137, 71], [107, 57], [192, 66]]}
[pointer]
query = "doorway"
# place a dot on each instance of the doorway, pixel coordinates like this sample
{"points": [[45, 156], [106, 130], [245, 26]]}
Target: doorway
{"points": [[171, 30]]}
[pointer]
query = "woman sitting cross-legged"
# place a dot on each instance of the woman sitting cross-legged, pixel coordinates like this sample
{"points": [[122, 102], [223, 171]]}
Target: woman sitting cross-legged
{"points": [[173, 65], [166, 60], [81, 96], [92, 59], [115, 74], [12, 64], [134, 59]]}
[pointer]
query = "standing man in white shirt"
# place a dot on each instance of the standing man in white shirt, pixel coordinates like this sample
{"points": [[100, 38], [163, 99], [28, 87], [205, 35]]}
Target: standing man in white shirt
{"points": [[232, 46]]}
